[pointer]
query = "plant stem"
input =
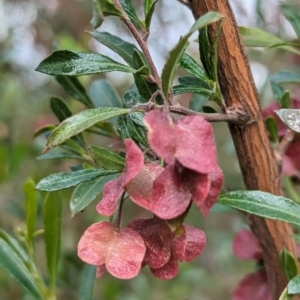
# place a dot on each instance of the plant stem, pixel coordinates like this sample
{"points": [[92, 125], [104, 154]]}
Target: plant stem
{"points": [[282, 146], [143, 44]]}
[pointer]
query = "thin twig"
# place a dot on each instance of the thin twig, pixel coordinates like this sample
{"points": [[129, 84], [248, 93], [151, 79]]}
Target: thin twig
{"points": [[141, 42], [282, 146]]}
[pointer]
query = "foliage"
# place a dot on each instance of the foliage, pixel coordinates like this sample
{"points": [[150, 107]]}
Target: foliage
{"points": [[164, 164]]}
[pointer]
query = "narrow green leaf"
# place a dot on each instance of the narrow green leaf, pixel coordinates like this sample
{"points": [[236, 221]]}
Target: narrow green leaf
{"points": [[197, 102], [62, 112], [130, 130], [87, 282], [31, 208], [285, 77], [107, 8], [77, 63], [17, 248], [138, 117], [60, 108], [58, 154], [145, 88], [255, 37], [290, 117], [81, 121], [291, 189], [13, 264], [63, 180], [52, 234], [191, 80], [176, 53], [292, 14], [208, 109], [188, 64], [44, 130], [277, 90], [103, 94], [131, 13], [96, 20], [149, 14], [116, 44], [106, 158], [147, 6], [263, 204], [205, 51], [294, 286], [272, 129], [285, 101], [288, 264], [75, 89], [87, 191], [182, 89], [133, 97]]}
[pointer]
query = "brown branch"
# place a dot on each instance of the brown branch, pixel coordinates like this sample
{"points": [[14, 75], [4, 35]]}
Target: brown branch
{"points": [[257, 161]]}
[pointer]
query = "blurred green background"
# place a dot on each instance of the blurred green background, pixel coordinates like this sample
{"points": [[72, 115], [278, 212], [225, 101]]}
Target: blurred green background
{"points": [[29, 31]]}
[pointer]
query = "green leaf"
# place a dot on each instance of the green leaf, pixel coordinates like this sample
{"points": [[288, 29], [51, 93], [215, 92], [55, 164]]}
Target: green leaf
{"points": [[75, 89], [277, 90], [87, 282], [77, 63], [52, 234], [133, 97], [59, 154], [191, 80], [130, 130], [294, 286], [17, 248], [106, 158], [131, 13], [182, 89], [176, 53], [292, 14], [103, 94], [149, 13], [285, 77], [288, 264], [96, 20], [62, 112], [60, 108], [107, 8], [87, 191], [255, 37], [285, 101], [13, 264], [263, 204], [44, 130], [197, 102], [188, 64], [208, 109], [147, 6], [145, 88], [31, 208], [290, 117], [63, 180], [116, 44], [81, 121], [138, 117], [272, 129]]}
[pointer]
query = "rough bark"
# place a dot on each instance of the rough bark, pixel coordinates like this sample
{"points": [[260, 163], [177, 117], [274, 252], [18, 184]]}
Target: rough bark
{"points": [[256, 159]]}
